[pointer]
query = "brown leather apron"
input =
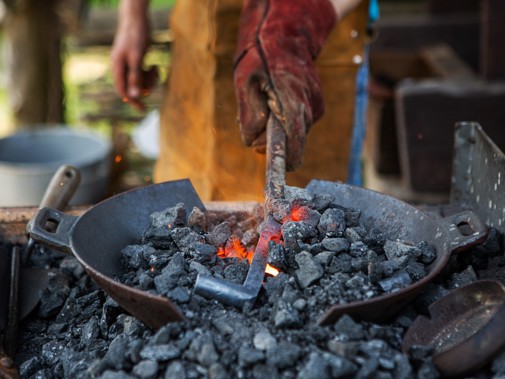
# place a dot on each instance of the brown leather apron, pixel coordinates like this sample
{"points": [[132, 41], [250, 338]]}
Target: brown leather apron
{"points": [[199, 136]]}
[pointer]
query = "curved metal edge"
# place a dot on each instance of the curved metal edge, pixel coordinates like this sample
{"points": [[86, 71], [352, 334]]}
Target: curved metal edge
{"points": [[472, 353], [153, 310], [457, 240], [60, 239], [476, 351]]}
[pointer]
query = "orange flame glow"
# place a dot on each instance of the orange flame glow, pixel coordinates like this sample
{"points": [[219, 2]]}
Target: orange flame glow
{"points": [[234, 248], [271, 270], [297, 214]]}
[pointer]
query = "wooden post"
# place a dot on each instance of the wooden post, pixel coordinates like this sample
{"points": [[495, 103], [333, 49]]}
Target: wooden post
{"points": [[492, 36], [32, 58]]}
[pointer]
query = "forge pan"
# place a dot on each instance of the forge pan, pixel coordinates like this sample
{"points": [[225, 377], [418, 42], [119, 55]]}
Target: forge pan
{"points": [[399, 220], [465, 328], [97, 237]]}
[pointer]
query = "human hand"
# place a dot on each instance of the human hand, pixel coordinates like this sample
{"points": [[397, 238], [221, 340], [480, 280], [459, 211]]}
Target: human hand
{"points": [[131, 42], [278, 43]]}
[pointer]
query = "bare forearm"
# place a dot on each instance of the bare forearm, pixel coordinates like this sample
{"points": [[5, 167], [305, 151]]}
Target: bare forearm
{"points": [[131, 10], [342, 7]]}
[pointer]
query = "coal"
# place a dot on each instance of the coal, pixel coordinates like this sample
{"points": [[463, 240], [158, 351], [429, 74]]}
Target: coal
{"points": [[309, 269], [80, 332]]}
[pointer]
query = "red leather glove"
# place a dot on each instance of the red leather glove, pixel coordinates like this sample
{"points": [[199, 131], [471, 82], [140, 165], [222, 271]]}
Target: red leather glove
{"points": [[278, 43]]}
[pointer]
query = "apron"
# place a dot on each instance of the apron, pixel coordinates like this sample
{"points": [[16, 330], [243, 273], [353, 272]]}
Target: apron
{"points": [[199, 133]]}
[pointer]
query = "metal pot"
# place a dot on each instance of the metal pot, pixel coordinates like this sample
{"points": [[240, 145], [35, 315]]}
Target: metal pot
{"points": [[29, 159]]}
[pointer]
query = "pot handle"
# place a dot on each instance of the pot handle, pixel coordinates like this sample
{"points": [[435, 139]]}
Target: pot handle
{"points": [[464, 230], [52, 228]]}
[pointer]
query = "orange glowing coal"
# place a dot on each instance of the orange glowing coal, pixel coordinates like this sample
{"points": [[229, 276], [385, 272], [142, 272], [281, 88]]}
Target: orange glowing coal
{"points": [[234, 248], [297, 213]]}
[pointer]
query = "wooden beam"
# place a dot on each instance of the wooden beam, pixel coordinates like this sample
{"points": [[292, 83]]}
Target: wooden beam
{"points": [[461, 33], [492, 38], [446, 64]]}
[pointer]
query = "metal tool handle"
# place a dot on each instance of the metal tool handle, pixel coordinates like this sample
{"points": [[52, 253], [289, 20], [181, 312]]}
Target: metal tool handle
{"points": [[61, 188], [276, 160], [59, 191], [59, 238], [457, 240], [232, 293]]}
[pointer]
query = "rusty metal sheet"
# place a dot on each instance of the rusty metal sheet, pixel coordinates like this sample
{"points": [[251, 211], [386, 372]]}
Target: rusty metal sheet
{"points": [[478, 177]]}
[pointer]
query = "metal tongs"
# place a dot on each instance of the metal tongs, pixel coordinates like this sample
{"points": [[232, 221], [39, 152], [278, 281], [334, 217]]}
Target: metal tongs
{"points": [[238, 295]]}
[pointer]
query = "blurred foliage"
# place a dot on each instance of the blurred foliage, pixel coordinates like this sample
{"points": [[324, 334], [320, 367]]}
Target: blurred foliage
{"points": [[114, 3]]}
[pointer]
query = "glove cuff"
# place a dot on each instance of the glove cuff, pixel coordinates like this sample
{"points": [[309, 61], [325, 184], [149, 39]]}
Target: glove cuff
{"points": [[291, 20]]}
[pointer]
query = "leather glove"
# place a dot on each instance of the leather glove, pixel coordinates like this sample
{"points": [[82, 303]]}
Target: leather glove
{"points": [[278, 43]]}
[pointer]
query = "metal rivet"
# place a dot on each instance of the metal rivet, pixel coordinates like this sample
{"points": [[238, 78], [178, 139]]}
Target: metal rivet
{"points": [[354, 34], [357, 59], [6, 362]]}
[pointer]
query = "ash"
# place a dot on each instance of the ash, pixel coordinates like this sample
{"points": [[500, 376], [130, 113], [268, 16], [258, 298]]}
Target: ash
{"points": [[326, 258]]}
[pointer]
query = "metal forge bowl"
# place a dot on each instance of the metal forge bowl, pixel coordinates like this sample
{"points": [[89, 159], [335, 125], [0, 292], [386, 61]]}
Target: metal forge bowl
{"points": [[97, 237]]}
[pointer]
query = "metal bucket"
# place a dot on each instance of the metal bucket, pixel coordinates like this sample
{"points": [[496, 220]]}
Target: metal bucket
{"points": [[29, 159]]}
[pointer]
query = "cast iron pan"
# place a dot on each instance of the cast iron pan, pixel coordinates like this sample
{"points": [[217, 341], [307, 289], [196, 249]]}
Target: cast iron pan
{"points": [[97, 237], [465, 328], [398, 220]]}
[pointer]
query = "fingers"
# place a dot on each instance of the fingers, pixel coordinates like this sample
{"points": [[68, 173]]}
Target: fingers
{"points": [[118, 70], [252, 103], [131, 82]]}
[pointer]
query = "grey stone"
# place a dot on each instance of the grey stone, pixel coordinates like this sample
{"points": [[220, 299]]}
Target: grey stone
{"points": [[283, 355], [217, 371], [51, 352], [207, 354], [115, 375], [401, 252], [315, 368], [347, 329], [339, 367], [197, 219], [160, 353], [175, 370], [220, 234], [336, 245], [179, 295], [285, 315], [146, 369], [263, 340], [248, 356], [199, 268], [185, 238], [310, 271], [352, 235], [237, 273], [332, 223], [30, 367], [298, 196], [115, 356]]}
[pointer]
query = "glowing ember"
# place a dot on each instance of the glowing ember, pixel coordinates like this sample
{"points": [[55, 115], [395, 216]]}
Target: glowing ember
{"points": [[271, 270], [234, 248], [297, 214]]}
